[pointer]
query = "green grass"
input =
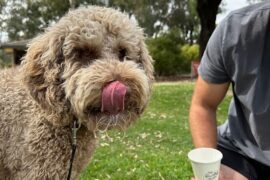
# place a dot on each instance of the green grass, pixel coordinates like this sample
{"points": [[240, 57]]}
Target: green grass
{"points": [[156, 146]]}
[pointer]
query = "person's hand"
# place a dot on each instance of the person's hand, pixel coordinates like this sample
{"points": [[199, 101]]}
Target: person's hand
{"points": [[228, 173]]}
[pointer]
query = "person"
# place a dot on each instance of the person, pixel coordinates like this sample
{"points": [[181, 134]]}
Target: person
{"points": [[237, 54]]}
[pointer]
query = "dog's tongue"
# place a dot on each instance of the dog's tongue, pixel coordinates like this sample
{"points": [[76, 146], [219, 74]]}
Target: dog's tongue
{"points": [[113, 97]]}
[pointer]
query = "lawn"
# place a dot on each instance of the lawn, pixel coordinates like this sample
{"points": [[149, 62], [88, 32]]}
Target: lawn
{"points": [[154, 147]]}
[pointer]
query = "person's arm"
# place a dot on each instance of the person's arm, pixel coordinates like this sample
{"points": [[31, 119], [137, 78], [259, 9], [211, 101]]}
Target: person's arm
{"points": [[202, 116]]}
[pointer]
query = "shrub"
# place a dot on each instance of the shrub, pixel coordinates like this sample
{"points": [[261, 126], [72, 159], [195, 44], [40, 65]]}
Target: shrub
{"points": [[165, 51], [171, 56], [189, 53]]}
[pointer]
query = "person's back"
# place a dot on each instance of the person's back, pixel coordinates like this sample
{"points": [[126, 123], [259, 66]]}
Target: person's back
{"points": [[239, 52]]}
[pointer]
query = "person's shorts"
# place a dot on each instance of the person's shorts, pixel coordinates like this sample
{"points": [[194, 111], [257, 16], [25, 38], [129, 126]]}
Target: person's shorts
{"points": [[249, 168]]}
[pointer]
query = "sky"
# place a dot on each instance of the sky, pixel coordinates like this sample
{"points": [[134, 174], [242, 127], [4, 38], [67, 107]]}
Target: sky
{"points": [[229, 6]]}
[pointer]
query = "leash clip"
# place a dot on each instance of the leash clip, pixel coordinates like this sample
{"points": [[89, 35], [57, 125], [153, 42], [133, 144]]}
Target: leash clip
{"points": [[75, 128]]}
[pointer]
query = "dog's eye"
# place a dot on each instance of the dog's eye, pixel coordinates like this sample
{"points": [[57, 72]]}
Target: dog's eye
{"points": [[85, 54], [122, 54]]}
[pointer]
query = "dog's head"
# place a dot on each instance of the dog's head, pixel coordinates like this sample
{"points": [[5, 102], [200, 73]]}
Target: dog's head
{"points": [[93, 64]]}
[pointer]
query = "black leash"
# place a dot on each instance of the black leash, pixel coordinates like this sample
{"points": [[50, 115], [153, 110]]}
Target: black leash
{"points": [[75, 128]]}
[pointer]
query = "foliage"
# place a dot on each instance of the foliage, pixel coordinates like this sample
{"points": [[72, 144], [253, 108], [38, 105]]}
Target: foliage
{"points": [[157, 16], [171, 55], [165, 50], [156, 146], [189, 53], [26, 18], [184, 16], [23, 19], [171, 24]]}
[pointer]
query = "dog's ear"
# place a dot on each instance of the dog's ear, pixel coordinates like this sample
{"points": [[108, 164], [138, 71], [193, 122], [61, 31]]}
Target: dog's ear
{"points": [[147, 61], [41, 71]]}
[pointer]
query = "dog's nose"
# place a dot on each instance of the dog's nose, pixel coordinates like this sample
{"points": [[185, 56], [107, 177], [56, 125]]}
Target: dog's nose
{"points": [[113, 97]]}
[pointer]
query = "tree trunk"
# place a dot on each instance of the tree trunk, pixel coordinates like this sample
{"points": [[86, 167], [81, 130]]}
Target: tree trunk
{"points": [[207, 11]]}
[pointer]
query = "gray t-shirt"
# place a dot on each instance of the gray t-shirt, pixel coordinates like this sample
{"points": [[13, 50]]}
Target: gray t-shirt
{"points": [[239, 52]]}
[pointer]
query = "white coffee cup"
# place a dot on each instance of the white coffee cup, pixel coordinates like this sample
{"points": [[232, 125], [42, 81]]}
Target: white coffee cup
{"points": [[205, 163]]}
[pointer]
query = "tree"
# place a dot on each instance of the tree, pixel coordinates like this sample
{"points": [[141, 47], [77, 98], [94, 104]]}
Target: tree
{"points": [[184, 16], [157, 17], [147, 13], [25, 18], [207, 11]]}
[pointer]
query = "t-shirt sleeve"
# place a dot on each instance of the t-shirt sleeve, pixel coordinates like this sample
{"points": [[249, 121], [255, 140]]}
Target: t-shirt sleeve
{"points": [[212, 67]]}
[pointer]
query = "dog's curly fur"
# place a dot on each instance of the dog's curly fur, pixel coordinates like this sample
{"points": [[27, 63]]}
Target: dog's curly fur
{"points": [[61, 79]]}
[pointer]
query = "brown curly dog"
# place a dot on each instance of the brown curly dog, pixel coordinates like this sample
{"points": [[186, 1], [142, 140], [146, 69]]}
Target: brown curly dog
{"points": [[91, 66]]}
